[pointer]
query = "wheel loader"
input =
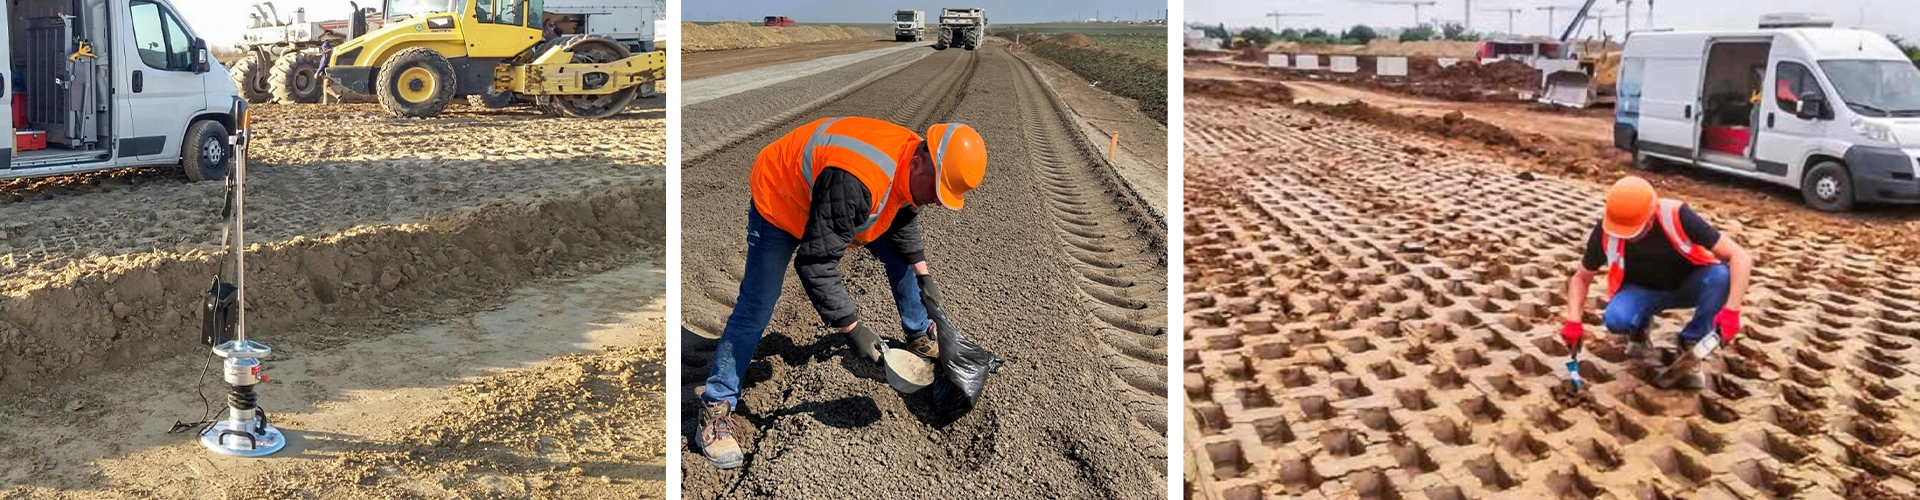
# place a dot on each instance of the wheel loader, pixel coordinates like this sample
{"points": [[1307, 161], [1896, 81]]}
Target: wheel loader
{"points": [[432, 52]]}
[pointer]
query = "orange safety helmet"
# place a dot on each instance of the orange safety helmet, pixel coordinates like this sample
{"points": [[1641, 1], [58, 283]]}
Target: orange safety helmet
{"points": [[1630, 204], [959, 161]]}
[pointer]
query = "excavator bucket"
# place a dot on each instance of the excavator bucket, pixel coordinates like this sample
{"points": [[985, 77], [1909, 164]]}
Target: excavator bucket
{"points": [[1573, 89]]}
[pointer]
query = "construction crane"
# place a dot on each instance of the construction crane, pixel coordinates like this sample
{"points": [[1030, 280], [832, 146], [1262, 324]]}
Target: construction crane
{"points": [[1578, 18], [1552, 11], [1510, 12], [1417, 4], [1277, 15]]}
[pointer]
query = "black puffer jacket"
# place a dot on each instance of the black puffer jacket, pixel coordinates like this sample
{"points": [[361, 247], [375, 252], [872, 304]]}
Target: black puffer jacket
{"points": [[840, 203]]}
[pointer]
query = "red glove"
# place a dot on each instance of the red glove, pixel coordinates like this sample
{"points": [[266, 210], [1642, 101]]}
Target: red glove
{"points": [[1728, 321], [1571, 333]]}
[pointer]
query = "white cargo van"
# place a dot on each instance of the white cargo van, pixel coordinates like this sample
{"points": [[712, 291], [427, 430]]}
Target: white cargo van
{"points": [[1834, 113], [109, 84]]}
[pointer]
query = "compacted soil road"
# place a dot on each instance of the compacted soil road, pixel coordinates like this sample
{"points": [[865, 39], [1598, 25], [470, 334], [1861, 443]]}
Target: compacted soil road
{"points": [[1054, 265]]}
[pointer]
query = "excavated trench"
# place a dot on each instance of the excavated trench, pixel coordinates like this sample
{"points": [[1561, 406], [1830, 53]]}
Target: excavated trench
{"points": [[1054, 265]]}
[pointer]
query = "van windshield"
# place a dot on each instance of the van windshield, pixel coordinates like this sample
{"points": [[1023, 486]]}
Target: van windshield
{"points": [[1876, 88], [399, 10]]}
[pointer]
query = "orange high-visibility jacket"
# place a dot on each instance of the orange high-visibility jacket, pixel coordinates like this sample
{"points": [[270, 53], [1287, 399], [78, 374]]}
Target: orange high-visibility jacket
{"points": [[1668, 215], [875, 151]]}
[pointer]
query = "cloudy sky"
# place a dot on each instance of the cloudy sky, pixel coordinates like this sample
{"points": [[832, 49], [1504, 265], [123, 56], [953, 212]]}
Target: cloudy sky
{"points": [[1886, 16], [880, 11]]}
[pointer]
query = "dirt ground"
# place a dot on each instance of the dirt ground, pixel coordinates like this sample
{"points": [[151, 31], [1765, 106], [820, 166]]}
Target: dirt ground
{"points": [[697, 65], [1142, 142], [1580, 144], [1389, 332], [411, 275], [1079, 410]]}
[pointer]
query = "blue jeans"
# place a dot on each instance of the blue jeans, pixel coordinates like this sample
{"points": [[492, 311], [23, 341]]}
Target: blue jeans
{"points": [[1705, 291], [769, 250]]}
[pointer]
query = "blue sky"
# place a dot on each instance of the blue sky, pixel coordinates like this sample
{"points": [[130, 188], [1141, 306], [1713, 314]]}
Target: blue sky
{"points": [[1886, 16]]}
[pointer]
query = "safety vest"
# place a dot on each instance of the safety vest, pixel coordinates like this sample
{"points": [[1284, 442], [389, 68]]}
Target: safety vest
{"points": [[1668, 214], [872, 150]]}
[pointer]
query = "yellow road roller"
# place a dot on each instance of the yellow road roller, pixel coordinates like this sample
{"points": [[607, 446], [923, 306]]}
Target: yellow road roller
{"points": [[432, 52]]}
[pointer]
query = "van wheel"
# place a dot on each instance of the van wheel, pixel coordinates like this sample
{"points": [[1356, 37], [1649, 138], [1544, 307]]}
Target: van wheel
{"points": [[1828, 187], [1647, 163], [205, 153], [296, 78], [416, 83]]}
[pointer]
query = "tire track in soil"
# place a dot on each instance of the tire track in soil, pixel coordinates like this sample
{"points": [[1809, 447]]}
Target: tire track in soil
{"points": [[1389, 333], [811, 411]]}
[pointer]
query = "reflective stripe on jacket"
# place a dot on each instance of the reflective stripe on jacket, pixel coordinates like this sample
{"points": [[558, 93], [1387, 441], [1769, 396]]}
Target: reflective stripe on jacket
{"points": [[872, 150], [1668, 216]]}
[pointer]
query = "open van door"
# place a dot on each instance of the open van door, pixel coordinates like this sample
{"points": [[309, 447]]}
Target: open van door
{"points": [[1662, 75], [6, 88]]}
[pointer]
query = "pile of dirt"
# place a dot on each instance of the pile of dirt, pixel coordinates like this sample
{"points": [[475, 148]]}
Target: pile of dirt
{"points": [[1070, 40], [1241, 89], [738, 35], [1505, 73], [1463, 50]]}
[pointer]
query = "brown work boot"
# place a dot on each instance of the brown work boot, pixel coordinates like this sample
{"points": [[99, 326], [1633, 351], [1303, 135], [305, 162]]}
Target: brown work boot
{"points": [[716, 437], [1694, 378], [926, 346]]}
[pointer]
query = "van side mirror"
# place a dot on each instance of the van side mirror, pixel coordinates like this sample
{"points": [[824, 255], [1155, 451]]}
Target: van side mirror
{"points": [[197, 49], [1813, 106]]}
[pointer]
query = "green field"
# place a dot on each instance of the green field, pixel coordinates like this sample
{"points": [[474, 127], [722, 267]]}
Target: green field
{"points": [[1149, 47]]}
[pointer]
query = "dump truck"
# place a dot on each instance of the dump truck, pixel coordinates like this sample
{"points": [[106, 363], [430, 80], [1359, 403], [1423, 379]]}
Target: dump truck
{"points": [[282, 55], [961, 27], [433, 51], [908, 25]]}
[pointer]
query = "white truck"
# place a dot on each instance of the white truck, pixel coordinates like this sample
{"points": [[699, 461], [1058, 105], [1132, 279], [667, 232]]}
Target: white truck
{"points": [[961, 27], [109, 84], [908, 24], [1834, 113], [625, 21]]}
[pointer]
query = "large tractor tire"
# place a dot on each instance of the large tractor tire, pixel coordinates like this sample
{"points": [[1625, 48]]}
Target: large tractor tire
{"points": [[416, 83], [596, 50], [250, 76], [296, 78]]}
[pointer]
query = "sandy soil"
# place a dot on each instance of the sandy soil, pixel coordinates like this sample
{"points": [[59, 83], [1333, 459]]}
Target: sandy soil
{"points": [[555, 391], [1577, 145], [1078, 412], [1388, 332], [697, 65], [1142, 159], [353, 215], [438, 293]]}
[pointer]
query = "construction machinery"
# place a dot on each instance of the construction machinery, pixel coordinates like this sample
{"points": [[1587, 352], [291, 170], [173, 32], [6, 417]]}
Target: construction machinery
{"points": [[908, 24], [283, 55], [433, 51], [961, 27], [1589, 78]]}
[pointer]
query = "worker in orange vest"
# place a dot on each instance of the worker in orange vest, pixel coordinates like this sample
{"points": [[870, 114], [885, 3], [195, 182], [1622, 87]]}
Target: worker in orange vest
{"points": [[1658, 255], [828, 186]]}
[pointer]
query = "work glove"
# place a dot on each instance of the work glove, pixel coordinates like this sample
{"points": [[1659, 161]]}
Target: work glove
{"points": [[1571, 333], [867, 343], [927, 290], [1728, 322]]}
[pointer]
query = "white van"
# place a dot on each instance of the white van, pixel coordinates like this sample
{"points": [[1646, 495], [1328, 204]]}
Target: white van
{"points": [[1827, 111], [109, 84]]}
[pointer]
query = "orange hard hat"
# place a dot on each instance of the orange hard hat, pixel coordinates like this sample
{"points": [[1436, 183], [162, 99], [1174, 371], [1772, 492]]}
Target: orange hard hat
{"points": [[959, 161], [1630, 204]]}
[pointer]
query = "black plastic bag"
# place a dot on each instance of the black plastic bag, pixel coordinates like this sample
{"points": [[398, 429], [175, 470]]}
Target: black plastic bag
{"points": [[961, 374]]}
